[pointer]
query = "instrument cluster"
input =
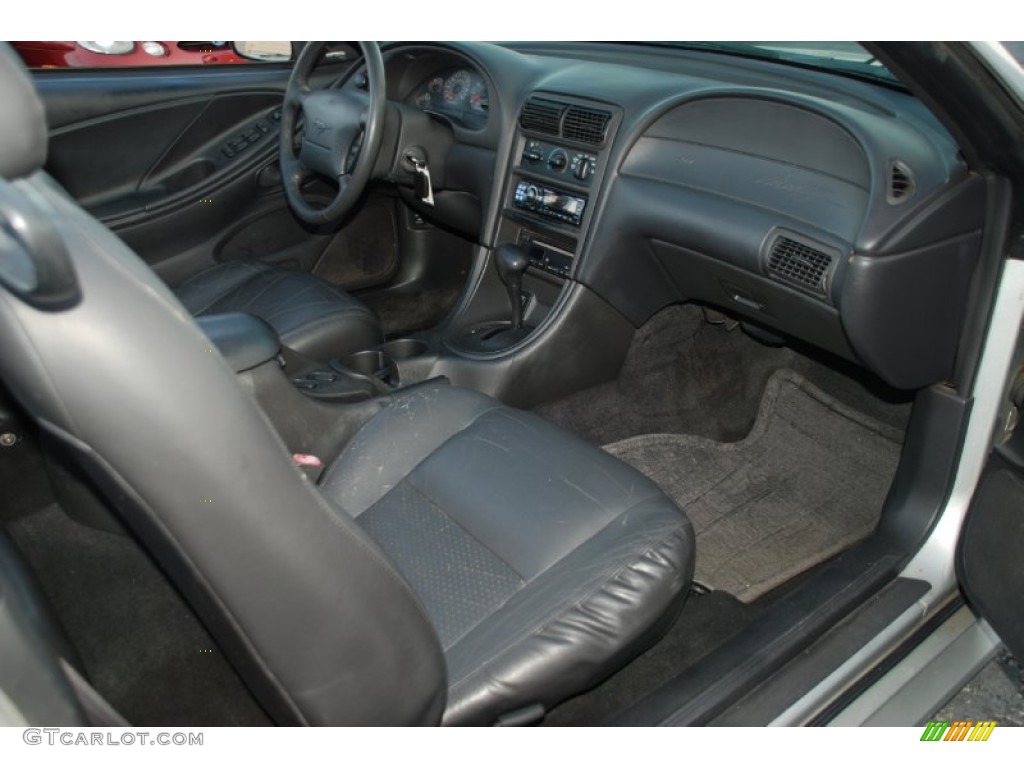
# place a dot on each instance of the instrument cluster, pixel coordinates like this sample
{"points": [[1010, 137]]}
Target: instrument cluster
{"points": [[458, 94]]}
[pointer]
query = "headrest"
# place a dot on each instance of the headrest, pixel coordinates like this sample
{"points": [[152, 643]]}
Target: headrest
{"points": [[22, 119]]}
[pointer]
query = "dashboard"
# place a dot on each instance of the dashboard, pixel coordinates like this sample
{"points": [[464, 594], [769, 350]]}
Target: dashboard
{"points": [[457, 93], [824, 208]]}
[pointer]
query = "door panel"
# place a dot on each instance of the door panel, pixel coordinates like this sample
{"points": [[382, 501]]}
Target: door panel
{"points": [[991, 545], [146, 159], [182, 165], [990, 552], [78, 96], [168, 160]]}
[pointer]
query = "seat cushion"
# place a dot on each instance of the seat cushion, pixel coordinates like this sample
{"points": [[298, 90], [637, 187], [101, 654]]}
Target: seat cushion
{"points": [[543, 562], [310, 315]]}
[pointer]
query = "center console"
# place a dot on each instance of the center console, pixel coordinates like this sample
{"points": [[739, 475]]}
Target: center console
{"points": [[559, 160], [560, 156]]}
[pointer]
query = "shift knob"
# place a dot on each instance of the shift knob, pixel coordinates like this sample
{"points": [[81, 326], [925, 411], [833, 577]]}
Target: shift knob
{"points": [[511, 261]]}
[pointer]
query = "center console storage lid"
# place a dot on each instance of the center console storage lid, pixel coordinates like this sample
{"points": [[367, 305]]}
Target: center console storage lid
{"points": [[245, 340]]}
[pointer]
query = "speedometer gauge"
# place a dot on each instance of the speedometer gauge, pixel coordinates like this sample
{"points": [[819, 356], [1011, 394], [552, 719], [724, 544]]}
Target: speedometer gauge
{"points": [[457, 86]]}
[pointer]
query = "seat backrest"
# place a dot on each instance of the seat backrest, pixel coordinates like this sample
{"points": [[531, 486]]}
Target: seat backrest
{"points": [[305, 605]]}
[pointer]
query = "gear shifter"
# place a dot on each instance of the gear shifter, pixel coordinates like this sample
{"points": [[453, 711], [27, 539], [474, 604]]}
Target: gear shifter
{"points": [[512, 261]]}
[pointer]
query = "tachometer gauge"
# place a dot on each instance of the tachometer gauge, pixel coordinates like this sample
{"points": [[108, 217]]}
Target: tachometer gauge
{"points": [[436, 85], [457, 86]]}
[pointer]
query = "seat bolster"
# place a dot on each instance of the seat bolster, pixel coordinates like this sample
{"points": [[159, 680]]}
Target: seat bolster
{"points": [[579, 621], [22, 120]]}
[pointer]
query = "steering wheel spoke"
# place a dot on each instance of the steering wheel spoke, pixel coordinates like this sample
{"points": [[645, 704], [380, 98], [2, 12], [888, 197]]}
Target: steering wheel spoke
{"points": [[341, 135]]}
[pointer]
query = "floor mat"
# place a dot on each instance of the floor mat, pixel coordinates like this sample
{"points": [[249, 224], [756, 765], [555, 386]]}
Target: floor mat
{"points": [[684, 375], [808, 480], [365, 250]]}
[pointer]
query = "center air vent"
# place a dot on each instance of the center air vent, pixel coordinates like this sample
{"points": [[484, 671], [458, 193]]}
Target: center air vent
{"points": [[569, 121], [901, 185], [800, 264], [585, 124], [542, 116]]}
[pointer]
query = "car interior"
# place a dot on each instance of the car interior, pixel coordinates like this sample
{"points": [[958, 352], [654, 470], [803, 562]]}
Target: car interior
{"points": [[475, 384]]}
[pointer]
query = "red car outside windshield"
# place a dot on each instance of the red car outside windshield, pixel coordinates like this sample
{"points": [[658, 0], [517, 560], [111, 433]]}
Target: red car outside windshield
{"points": [[60, 54]]}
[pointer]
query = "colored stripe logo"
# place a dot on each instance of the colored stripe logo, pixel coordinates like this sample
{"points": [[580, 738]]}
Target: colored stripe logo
{"points": [[959, 730]]}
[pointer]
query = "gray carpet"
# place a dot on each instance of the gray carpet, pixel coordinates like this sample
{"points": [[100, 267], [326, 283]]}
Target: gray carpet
{"points": [[807, 481], [364, 251], [686, 376]]}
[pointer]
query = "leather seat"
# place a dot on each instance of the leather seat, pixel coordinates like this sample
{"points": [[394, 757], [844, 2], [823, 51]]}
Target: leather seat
{"points": [[460, 562], [310, 315], [542, 562]]}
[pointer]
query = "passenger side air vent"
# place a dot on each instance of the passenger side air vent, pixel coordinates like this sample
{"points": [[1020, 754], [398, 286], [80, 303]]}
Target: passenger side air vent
{"points": [[542, 116], [901, 184], [800, 264], [585, 125]]}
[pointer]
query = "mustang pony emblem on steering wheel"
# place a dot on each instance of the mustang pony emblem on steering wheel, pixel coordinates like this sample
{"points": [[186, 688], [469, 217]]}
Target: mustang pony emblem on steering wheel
{"points": [[348, 125]]}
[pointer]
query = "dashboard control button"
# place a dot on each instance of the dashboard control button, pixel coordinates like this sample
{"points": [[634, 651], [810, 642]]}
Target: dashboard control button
{"points": [[533, 153]]}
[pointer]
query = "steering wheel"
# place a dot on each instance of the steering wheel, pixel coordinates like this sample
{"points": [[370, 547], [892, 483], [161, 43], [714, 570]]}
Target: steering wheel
{"points": [[341, 136]]}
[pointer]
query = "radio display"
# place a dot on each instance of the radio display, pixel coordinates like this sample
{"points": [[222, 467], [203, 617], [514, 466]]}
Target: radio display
{"points": [[555, 201], [550, 203]]}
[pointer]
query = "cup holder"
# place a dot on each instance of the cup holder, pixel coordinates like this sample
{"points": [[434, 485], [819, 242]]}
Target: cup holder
{"points": [[378, 364], [370, 362], [403, 349]]}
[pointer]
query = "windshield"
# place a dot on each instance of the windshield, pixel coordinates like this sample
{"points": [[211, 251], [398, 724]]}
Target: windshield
{"points": [[841, 57]]}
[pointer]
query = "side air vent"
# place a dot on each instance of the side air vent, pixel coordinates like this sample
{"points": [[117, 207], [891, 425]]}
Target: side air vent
{"points": [[901, 184], [585, 125], [542, 116], [801, 264]]}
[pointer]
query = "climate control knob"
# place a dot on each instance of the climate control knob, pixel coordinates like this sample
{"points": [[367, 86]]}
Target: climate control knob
{"points": [[558, 160], [583, 168]]}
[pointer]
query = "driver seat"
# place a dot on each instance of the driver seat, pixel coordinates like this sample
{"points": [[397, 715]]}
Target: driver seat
{"points": [[461, 563], [310, 315]]}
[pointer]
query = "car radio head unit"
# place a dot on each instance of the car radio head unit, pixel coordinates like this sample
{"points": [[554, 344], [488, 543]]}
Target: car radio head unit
{"points": [[549, 202]]}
